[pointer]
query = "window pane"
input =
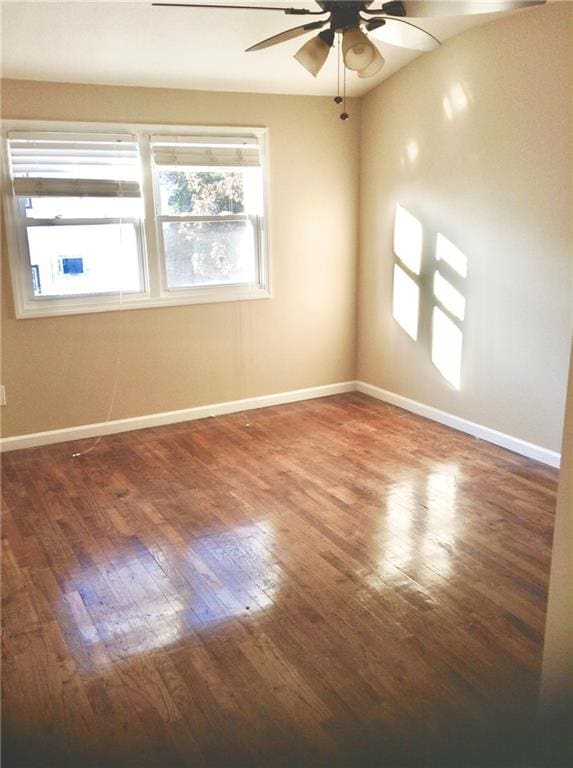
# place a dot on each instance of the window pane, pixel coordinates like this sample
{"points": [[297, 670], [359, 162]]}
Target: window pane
{"points": [[447, 340], [84, 259], [210, 192], [452, 299], [448, 252], [405, 302], [209, 252], [82, 207], [408, 239]]}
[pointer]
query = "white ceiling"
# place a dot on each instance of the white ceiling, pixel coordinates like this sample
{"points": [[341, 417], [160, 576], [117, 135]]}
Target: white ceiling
{"points": [[133, 43]]}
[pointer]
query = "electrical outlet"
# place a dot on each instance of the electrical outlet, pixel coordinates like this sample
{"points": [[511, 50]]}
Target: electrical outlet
{"points": [[2, 394]]}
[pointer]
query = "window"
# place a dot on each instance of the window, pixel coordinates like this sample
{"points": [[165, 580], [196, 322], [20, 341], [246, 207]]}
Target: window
{"points": [[79, 210], [101, 219], [209, 209]]}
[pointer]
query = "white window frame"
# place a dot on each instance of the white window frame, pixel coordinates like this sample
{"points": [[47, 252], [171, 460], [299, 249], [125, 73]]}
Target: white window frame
{"points": [[153, 278]]}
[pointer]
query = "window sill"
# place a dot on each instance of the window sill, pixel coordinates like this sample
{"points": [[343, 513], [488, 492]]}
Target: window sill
{"points": [[203, 295]]}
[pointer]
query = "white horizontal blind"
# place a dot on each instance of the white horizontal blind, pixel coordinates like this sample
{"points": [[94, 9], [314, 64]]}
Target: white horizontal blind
{"points": [[67, 165], [206, 151]]}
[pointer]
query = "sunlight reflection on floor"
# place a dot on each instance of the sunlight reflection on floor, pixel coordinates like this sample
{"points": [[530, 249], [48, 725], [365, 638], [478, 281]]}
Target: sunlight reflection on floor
{"points": [[157, 597], [420, 527]]}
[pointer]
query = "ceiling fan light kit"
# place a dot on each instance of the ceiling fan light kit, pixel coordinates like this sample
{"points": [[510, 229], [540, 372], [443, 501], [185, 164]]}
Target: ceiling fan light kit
{"points": [[387, 23], [357, 50], [315, 51], [374, 67]]}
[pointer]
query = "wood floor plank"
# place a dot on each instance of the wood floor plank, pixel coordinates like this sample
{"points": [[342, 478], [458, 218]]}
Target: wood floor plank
{"points": [[333, 583]]}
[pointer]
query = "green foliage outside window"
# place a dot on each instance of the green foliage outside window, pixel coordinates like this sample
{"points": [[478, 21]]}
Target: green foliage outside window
{"points": [[205, 193]]}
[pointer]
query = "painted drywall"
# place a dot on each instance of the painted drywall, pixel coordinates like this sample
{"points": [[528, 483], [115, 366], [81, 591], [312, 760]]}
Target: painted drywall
{"points": [[474, 139], [557, 674], [59, 372]]}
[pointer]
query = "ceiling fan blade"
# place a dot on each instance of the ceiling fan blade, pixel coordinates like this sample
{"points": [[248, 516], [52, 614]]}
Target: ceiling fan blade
{"points": [[288, 34], [421, 8], [402, 33], [292, 11]]}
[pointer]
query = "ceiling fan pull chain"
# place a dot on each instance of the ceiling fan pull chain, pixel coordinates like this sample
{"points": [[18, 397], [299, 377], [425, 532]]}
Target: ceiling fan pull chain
{"points": [[338, 97], [344, 114], [338, 72]]}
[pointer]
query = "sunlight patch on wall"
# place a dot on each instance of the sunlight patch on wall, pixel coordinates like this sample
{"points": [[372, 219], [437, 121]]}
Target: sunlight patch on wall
{"points": [[447, 251], [412, 150], [449, 303], [448, 108], [410, 154], [447, 342], [408, 239], [405, 302], [447, 295], [456, 101]]}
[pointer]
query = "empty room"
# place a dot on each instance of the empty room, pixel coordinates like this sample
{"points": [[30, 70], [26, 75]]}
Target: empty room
{"points": [[286, 390]]}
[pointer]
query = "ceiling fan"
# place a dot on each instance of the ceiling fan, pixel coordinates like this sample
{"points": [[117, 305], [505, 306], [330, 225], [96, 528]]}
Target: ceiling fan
{"points": [[356, 22]]}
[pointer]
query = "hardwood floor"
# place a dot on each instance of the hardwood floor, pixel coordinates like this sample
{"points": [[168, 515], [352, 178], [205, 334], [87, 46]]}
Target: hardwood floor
{"points": [[333, 582]]}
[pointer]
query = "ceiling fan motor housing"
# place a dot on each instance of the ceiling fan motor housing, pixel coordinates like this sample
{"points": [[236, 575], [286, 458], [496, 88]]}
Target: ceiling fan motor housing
{"points": [[343, 14], [346, 13]]}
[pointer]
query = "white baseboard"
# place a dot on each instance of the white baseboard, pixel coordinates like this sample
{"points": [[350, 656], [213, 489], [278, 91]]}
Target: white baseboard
{"points": [[532, 451], [544, 455], [36, 439]]}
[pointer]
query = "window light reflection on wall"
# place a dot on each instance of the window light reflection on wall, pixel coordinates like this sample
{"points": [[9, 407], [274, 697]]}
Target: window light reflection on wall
{"points": [[447, 341], [447, 251], [456, 101], [408, 239], [412, 150], [447, 337], [405, 302], [447, 295]]}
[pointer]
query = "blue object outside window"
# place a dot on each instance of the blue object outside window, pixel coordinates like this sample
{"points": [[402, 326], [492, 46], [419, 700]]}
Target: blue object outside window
{"points": [[73, 266]]}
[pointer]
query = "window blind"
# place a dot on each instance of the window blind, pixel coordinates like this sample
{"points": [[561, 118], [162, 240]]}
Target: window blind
{"points": [[67, 165], [206, 151]]}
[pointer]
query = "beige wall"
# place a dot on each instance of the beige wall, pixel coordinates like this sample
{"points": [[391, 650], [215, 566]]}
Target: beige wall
{"points": [[496, 180], [59, 371], [557, 675]]}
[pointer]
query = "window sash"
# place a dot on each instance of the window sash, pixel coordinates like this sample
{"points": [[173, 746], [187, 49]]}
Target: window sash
{"points": [[137, 225], [204, 143], [256, 222]]}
